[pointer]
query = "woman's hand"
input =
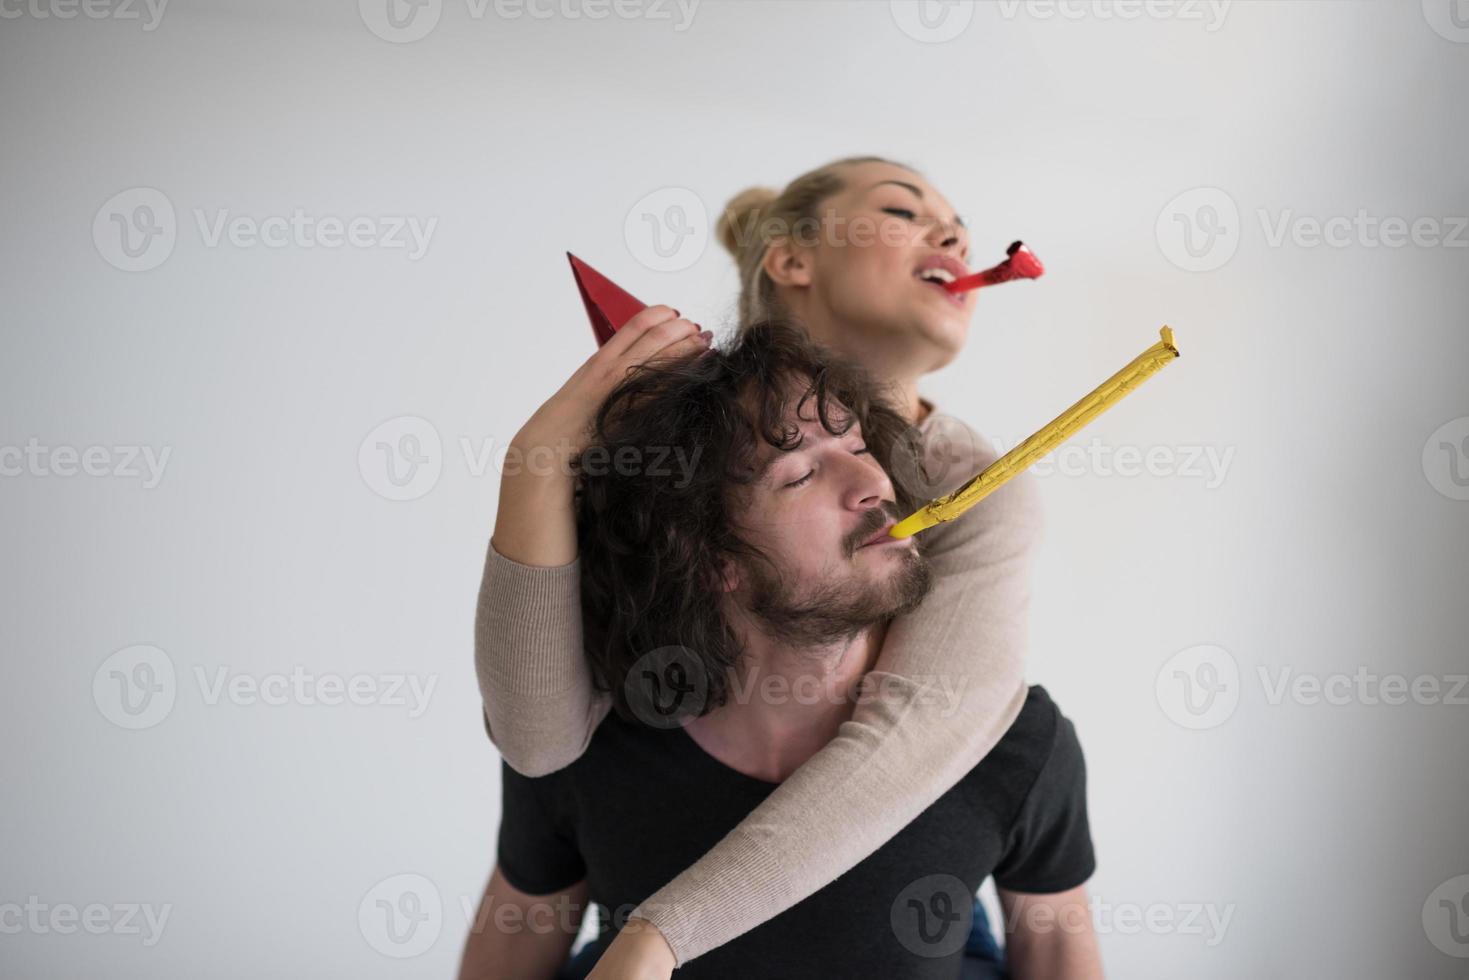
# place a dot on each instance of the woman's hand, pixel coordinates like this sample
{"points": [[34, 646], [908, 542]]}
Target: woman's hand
{"points": [[536, 520], [565, 420], [639, 952]]}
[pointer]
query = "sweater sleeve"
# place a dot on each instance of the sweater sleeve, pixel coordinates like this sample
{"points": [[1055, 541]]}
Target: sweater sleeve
{"points": [[540, 705], [949, 681]]}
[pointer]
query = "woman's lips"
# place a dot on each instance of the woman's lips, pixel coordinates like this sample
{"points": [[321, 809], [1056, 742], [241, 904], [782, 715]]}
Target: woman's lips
{"points": [[958, 299]]}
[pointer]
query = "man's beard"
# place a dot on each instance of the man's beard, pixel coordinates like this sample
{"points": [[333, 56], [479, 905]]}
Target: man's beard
{"points": [[834, 612]]}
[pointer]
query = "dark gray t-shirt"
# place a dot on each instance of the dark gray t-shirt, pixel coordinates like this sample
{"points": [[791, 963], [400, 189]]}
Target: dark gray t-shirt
{"points": [[642, 804]]}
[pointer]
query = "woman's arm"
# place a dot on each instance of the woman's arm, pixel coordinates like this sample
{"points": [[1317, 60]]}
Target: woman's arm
{"points": [[540, 705], [951, 675]]}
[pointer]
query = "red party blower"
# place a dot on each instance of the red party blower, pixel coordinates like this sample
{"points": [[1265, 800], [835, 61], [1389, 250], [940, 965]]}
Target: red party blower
{"points": [[608, 305], [1021, 263]]}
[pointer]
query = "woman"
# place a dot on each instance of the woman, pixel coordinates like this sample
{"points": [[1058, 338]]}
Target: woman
{"points": [[850, 251]]}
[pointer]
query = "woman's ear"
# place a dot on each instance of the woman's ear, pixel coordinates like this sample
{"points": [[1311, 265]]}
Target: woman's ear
{"points": [[787, 263]]}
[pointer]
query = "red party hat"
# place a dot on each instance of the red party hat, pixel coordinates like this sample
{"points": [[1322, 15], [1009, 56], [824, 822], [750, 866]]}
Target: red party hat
{"points": [[609, 306]]}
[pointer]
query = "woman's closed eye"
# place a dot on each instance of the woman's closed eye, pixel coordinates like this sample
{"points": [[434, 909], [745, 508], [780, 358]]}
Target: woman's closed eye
{"points": [[902, 213]]}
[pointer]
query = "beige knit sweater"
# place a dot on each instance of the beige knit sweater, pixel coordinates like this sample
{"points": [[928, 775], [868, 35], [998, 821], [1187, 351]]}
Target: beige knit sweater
{"points": [[895, 757]]}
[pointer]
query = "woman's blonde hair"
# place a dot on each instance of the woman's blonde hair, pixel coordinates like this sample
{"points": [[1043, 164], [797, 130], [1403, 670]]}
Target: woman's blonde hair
{"points": [[756, 218]]}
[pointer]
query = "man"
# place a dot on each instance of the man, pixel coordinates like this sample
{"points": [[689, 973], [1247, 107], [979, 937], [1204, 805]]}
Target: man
{"points": [[733, 611]]}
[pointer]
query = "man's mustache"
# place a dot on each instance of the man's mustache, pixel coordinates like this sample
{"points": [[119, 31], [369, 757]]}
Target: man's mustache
{"points": [[872, 520]]}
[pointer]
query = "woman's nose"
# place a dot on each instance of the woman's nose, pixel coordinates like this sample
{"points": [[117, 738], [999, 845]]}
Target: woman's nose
{"points": [[951, 235]]}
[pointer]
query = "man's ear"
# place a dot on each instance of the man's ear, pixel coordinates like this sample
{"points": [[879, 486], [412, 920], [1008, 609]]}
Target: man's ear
{"points": [[788, 264], [729, 577]]}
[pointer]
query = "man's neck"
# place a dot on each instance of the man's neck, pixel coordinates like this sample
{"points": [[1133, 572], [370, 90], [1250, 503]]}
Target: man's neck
{"points": [[785, 703]]}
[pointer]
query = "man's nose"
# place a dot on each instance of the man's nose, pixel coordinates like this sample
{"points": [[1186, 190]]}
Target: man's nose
{"points": [[865, 485]]}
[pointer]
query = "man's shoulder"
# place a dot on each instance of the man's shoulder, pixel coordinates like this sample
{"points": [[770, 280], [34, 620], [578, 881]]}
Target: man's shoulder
{"points": [[1040, 718], [617, 742], [1041, 739]]}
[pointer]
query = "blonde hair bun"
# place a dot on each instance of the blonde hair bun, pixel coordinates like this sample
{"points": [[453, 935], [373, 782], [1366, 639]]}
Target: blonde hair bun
{"points": [[738, 226]]}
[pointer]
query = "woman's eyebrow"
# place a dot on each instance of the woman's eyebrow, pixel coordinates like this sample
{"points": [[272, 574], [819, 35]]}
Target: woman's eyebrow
{"points": [[916, 193], [901, 183]]}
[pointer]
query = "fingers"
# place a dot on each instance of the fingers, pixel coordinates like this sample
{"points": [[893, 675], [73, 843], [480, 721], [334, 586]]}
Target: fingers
{"points": [[694, 343], [656, 332], [633, 330]]}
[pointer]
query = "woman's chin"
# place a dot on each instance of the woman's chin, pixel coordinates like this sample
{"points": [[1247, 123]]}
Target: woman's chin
{"points": [[945, 334]]}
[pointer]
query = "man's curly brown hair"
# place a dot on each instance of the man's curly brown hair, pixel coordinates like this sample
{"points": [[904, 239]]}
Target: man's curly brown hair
{"points": [[654, 539]]}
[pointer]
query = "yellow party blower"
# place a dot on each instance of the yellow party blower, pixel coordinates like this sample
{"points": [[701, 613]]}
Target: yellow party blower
{"points": [[1015, 462]]}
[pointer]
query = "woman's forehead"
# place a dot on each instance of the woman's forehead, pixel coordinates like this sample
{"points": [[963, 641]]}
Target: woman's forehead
{"points": [[861, 178]]}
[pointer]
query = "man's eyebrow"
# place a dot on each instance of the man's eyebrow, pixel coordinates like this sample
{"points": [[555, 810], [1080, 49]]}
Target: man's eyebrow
{"points": [[763, 474], [916, 193]]}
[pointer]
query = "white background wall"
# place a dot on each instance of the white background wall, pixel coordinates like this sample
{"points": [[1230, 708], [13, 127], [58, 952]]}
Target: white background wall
{"points": [[1329, 538]]}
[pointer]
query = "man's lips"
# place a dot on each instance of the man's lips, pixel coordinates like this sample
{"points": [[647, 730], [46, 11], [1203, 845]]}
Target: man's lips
{"points": [[880, 535]]}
